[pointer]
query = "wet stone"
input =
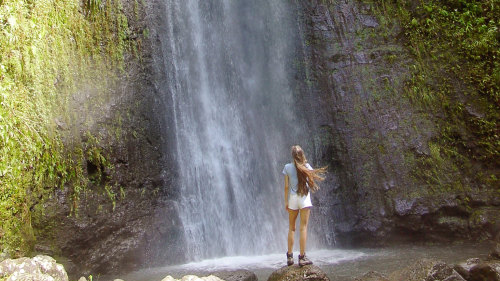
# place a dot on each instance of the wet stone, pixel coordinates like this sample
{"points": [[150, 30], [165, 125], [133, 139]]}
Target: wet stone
{"points": [[297, 273]]}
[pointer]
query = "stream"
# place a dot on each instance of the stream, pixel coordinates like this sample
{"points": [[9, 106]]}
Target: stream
{"points": [[339, 264]]}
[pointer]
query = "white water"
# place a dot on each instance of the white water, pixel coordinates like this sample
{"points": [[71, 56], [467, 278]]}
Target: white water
{"points": [[271, 261], [229, 68], [262, 265]]}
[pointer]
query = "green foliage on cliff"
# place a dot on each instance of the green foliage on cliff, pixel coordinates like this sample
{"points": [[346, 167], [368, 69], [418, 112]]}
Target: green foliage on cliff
{"points": [[48, 50], [455, 77]]}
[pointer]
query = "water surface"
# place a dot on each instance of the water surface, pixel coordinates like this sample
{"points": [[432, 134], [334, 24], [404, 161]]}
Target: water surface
{"points": [[340, 265]]}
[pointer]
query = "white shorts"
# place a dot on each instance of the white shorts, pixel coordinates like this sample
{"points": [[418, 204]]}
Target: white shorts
{"points": [[297, 202]]}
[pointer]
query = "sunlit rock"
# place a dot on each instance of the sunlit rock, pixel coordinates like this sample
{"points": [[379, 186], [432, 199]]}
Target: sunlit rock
{"points": [[40, 268]]}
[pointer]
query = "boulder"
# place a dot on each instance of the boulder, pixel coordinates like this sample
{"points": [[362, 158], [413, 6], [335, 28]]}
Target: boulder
{"points": [[39, 268], [297, 273], [464, 268], [495, 253], [193, 278], [236, 275], [428, 270], [485, 272], [476, 270], [372, 276]]}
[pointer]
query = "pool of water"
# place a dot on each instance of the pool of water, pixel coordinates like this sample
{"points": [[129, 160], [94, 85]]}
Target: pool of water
{"points": [[339, 264]]}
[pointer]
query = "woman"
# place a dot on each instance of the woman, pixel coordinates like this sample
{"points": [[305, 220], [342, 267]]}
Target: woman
{"points": [[300, 179]]}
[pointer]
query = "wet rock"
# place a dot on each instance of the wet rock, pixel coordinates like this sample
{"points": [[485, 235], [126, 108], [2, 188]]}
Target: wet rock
{"points": [[372, 276], [297, 273], [485, 272], [376, 139], [464, 268], [40, 268], [193, 278], [495, 253], [428, 270], [236, 275], [141, 227]]}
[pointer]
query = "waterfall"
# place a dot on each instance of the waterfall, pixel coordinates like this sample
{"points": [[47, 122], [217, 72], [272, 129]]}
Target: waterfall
{"points": [[230, 66]]}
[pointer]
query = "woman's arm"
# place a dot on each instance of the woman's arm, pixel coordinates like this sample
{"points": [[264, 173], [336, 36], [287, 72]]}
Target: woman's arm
{"points": [[286, 192]]}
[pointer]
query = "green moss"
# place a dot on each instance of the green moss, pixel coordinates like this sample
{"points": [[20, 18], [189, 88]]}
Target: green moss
{"points": [[455, 71], [48, 50]]}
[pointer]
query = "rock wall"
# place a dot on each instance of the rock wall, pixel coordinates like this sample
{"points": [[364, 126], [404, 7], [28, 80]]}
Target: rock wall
{"points": [[377, 143], [126, 217]]}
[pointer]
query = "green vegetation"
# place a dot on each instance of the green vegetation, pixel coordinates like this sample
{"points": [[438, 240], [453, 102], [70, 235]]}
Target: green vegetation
{"points": [[48, 50], [455, 77]]}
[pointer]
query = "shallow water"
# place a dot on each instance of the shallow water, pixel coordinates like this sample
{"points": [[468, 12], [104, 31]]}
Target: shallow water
{"points": [[340, 265]]}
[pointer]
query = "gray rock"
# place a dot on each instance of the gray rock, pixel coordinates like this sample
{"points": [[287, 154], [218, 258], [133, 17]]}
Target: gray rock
{"points": [[464, 268], [82, 279], [442, 271], [39, 268], [428, 270], [297, 273], [236, 275]]}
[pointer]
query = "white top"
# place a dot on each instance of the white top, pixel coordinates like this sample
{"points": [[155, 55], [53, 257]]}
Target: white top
{"points": [[291, 172]]}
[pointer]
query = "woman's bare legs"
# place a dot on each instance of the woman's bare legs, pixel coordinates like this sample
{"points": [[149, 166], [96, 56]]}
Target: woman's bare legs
{"points": [[292, 217], [304, 220]]}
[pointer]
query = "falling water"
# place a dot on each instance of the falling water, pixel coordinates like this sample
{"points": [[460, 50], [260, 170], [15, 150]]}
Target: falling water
{"points": [[230, 74]]}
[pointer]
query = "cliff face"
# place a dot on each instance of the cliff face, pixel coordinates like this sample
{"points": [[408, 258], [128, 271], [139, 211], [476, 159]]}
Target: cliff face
{"points": [[392, 180], [126, 217]]}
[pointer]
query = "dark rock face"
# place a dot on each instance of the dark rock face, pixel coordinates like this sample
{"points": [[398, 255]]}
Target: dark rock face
{"points": [[297, 273], [236, 275], [126, 218], [373, 138]]}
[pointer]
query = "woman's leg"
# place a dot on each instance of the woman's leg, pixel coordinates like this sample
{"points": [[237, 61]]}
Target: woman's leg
{"points": [[292, 217], [304, 220]]}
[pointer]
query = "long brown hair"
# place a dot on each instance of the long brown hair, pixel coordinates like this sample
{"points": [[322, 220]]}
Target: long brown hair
{"points": [[307, 178]]}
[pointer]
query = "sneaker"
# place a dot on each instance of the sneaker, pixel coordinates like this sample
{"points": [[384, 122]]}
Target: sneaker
{"points": [[289, 259], [303, 260]]}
